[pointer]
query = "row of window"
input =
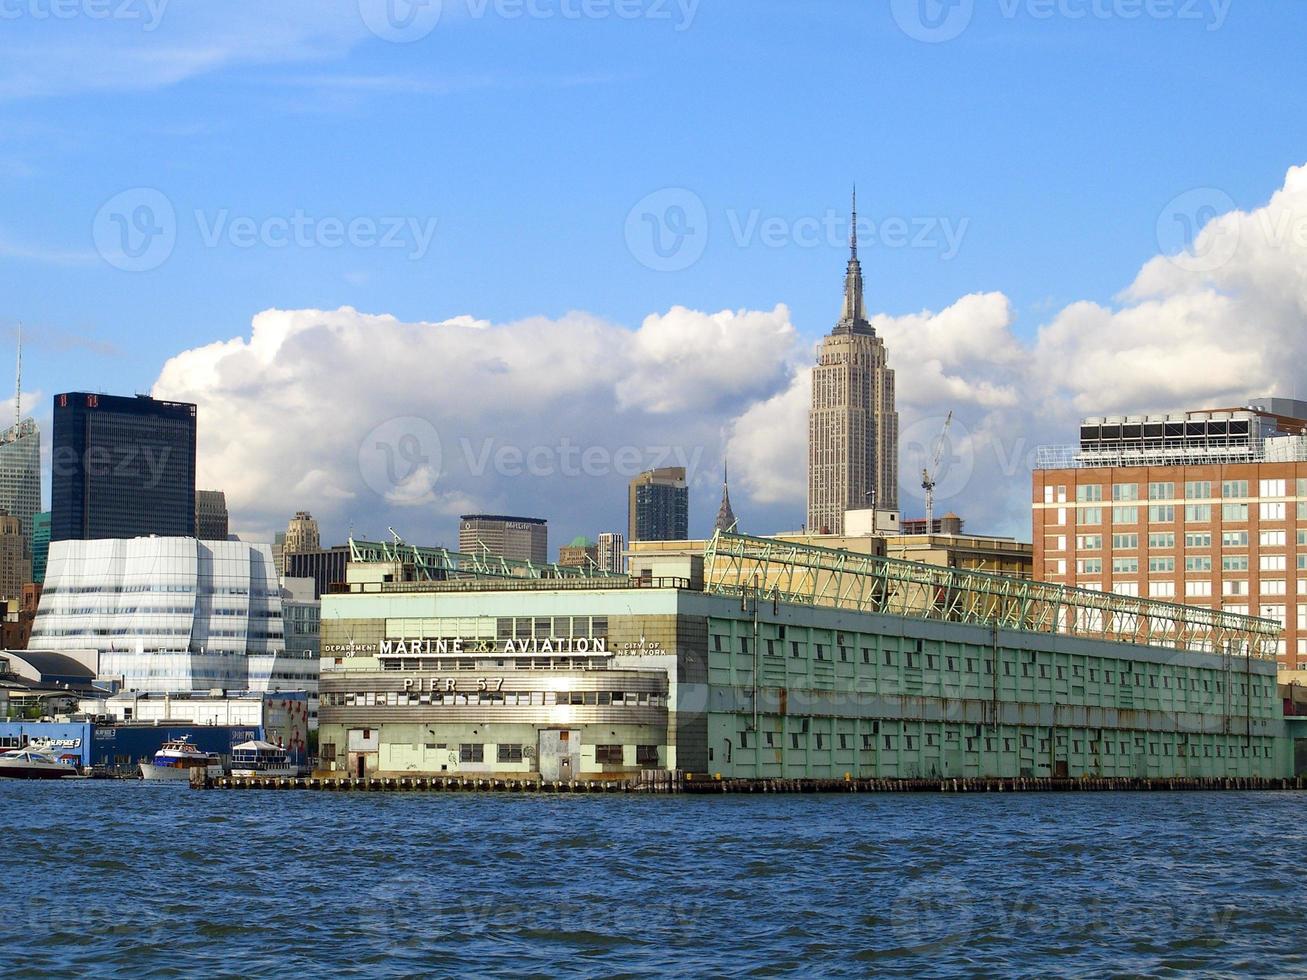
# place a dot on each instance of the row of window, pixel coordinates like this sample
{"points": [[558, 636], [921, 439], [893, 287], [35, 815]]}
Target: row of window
{"points": [[1165, 490], [1193, 513], [400, 699]]}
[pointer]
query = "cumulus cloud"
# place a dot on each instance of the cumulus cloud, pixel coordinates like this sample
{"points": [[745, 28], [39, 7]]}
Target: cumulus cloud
{"points": [[371, 421]]}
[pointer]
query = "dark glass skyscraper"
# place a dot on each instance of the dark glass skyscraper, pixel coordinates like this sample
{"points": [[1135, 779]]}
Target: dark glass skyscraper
{"points": [[658, 505], [122, 467]]}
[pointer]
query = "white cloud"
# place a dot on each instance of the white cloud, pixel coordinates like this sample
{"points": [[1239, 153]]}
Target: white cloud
{"points": [[340, 411]]}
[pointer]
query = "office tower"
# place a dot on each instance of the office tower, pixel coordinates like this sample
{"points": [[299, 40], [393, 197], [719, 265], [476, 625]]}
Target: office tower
{"points": [[302, 535], [1206, 508], [514, 538], [212, 522], [40, 545], [20, 473], [658, 506], [122, 467], [853, 428], [581, 553], [15, 566], [279, 553], [611, 545], [325, 566]]}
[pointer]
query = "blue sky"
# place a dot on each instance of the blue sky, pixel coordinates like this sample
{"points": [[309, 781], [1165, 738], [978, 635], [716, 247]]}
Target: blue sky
{"points": [[1050, 144]]}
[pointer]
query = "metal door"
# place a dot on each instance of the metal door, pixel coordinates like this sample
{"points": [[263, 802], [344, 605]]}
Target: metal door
{"points": [[559, 754]]}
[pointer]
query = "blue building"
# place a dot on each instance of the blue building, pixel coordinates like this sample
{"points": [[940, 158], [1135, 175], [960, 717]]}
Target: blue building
{"points": [[122, 468], [40, 545], [119, 747]]}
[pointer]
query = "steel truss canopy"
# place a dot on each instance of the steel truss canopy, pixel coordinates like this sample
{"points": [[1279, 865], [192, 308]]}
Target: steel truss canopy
{"points": [[441, 564], [766, 568]]}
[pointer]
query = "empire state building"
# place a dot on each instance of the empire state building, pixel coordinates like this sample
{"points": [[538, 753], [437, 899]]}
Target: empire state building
{"points": [[853, 429]]}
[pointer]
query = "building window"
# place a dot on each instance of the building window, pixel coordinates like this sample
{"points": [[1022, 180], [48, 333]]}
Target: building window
{"points": [[1272, 563], [1234, 488], [1272, 539], [1161, 564], [1239, 539], [1125, 515], [1198, 588], [1234, 512], [1091, 492], [608, 755], [1273, 586], [647, 755], [1161, 513], [1271, 488], [1161, 539], [1125, 541], [1161, 590], [509, 753], [1273, 511], [471, 752], [1090, 516], [327, 751], [1089, 566], [1198, 513], [1089, 542], [1198, 490], [1199, 539], [1125, 491], [1161, 491], [1198, 563], [1125, 566]]}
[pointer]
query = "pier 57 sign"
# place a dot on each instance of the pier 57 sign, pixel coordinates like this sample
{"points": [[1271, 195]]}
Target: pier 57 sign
{"points": [[460, 647]]}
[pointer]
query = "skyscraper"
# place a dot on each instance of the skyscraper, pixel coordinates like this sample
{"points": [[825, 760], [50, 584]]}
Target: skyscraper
{"points": [[15, 565], [40, 545], [515, 538], [658, 506], [20, 473], [725, 514], [853, 428], [122, 467], [611, 544], [302, 535], [211, 520]]}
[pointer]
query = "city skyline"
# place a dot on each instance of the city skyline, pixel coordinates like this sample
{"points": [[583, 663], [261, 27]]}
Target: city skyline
{"points": [[1022, 281]]}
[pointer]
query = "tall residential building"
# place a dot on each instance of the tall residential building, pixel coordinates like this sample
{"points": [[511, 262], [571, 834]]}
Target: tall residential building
{"points": [[515, 538], [302, 535], [20, 473], [611, 545], [171, 614], [853, 428], [40, 545], [15, 565], [211, 519], [1203, 508], [122, 468], [658, 506]]}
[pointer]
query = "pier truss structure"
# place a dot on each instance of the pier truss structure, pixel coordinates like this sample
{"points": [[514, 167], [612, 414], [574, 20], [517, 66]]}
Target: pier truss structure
{"points": [[443, 565], [770, 569]]}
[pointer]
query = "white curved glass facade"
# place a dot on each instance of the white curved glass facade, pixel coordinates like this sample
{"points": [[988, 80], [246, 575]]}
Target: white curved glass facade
{"points": [[170, 614]]}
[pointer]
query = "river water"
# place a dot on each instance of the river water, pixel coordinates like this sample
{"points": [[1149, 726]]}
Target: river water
{"points": [[104, 878]]}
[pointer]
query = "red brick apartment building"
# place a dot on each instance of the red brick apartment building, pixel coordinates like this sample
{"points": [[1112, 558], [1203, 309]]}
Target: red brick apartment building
{"points": [[1205, 508]]}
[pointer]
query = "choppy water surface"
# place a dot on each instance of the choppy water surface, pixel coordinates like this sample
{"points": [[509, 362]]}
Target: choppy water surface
{"points": [[130, 878]]}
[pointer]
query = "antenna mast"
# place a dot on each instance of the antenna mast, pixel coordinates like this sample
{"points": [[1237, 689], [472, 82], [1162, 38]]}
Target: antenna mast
{"points": [[18, 386]]}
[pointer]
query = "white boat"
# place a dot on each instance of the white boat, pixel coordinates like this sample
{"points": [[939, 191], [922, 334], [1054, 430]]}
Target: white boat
{"points": [[256, 758], [32, 763], [173, 763]]}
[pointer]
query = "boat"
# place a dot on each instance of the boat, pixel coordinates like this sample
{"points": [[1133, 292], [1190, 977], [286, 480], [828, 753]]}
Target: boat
{"points": [[30, 763], [257, 758], [173, 763]]}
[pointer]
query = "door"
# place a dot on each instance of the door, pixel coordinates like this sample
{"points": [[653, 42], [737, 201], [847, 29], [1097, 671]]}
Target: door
{"points": [[559, 754]]}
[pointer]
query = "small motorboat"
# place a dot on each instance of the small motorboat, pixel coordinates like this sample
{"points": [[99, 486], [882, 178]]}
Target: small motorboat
{"points": [[173, 763], [256, 758], [32, 763]]}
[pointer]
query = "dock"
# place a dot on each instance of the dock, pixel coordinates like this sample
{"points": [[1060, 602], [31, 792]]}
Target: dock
{"points": [[663, 782]]}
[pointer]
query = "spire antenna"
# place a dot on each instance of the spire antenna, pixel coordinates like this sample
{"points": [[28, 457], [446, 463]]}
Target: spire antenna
{"points": [[853, 233], [18, 385]]}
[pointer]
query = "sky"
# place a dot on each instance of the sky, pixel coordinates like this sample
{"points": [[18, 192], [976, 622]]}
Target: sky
{"points": [[417, 259]]}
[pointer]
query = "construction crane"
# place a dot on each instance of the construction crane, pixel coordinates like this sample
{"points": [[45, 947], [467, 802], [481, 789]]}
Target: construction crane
{"points": [[928, 475]]}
